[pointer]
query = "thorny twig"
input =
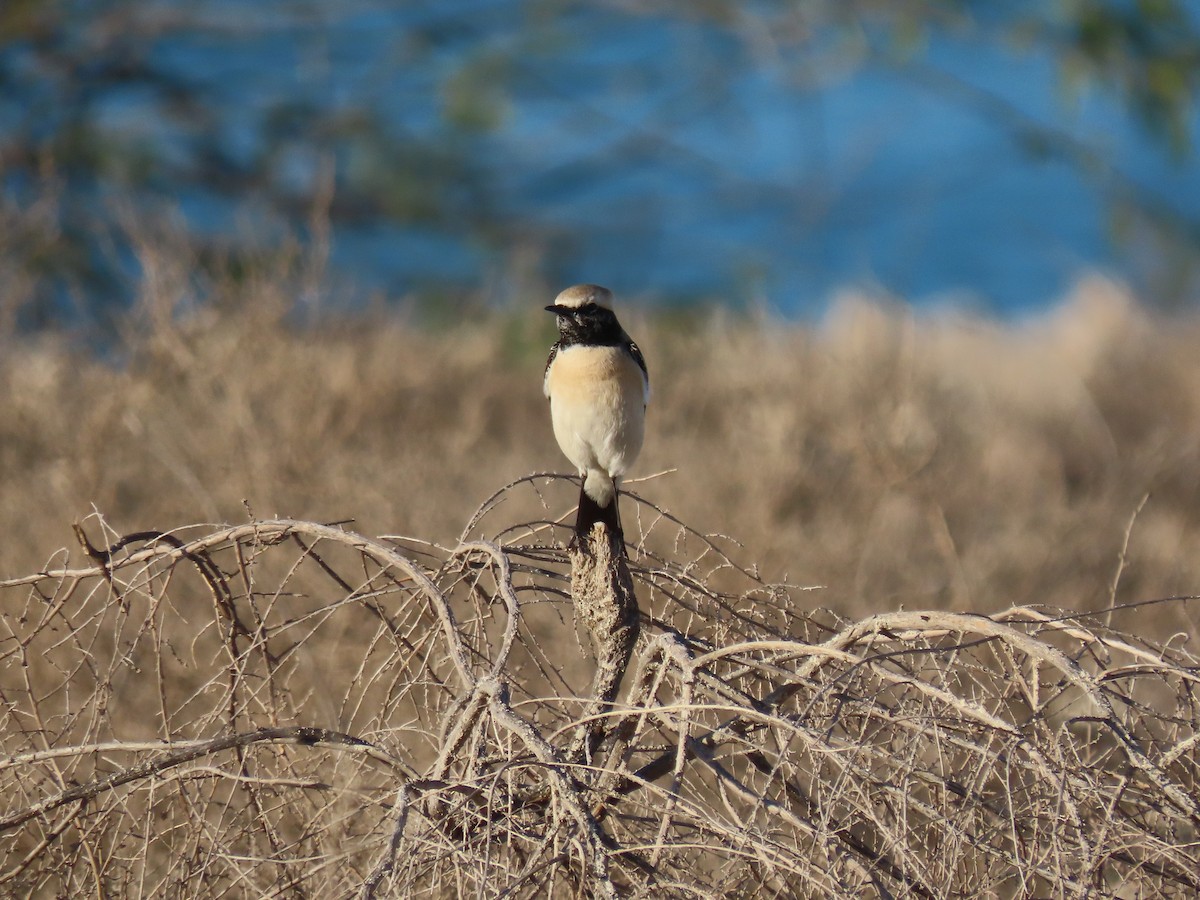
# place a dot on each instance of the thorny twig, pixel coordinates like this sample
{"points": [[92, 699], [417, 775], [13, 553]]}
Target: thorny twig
{"points": [[289, 707]]}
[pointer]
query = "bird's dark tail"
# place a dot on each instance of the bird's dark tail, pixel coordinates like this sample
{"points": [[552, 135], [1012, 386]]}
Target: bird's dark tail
{"points": [[591, 512]]}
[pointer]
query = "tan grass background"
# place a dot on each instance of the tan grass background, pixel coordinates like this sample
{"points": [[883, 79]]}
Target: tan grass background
{"points": [[902, 461], [898, 460]]}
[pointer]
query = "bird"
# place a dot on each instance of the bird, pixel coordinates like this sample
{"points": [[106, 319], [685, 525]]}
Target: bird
{"points": [[598, 387]]}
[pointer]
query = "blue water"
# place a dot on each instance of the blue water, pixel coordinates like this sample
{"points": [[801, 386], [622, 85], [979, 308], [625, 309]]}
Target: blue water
{"points": [[663, 157]]}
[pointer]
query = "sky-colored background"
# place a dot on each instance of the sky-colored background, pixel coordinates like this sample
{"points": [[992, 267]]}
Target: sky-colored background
{"points": [[769, 153]]}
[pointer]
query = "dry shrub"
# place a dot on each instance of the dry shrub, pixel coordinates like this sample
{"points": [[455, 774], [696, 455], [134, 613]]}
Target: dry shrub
{"points": [[284, 708], [279, 707]]}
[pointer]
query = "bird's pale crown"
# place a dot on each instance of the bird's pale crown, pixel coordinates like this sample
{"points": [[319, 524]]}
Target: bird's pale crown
{"points": [[581, 294]]}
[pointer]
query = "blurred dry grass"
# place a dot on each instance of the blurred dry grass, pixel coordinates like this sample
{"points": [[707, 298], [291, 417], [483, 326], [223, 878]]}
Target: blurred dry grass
{"points": [[943, 462], [925, 463]]}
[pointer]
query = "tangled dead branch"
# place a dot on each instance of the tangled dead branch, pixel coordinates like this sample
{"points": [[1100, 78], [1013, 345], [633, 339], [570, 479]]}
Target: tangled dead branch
{"points": [[285, 708]]}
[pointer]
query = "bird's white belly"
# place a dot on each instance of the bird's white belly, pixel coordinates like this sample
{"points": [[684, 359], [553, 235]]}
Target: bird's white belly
{"points": [[597, 406]]}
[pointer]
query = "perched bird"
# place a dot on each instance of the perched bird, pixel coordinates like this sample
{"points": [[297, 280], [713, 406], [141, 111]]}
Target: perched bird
{"points": [[598, 388]]}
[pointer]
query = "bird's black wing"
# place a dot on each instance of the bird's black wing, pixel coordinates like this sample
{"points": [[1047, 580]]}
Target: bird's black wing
{"points": [[549, 362], [636, 352]]}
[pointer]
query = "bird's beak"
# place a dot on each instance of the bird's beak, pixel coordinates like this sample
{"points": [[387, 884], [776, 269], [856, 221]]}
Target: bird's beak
{"points": [[558, 310]]}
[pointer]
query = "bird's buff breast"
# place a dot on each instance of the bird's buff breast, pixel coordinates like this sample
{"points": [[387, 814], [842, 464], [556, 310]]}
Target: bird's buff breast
{"points": [[597, 404]]}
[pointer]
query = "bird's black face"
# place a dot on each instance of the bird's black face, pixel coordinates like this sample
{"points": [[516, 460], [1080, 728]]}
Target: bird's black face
{"points": [[587, 324]]}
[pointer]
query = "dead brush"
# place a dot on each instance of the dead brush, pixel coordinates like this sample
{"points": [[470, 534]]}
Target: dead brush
{"points": [[288, 708]]}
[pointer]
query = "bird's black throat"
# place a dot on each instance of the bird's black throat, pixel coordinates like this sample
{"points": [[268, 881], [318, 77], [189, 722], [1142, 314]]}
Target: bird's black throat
{"points": [[590, 324]]}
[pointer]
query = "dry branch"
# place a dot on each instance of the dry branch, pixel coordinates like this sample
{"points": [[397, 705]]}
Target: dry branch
{"points": [[289, 708], [606, 606]]}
